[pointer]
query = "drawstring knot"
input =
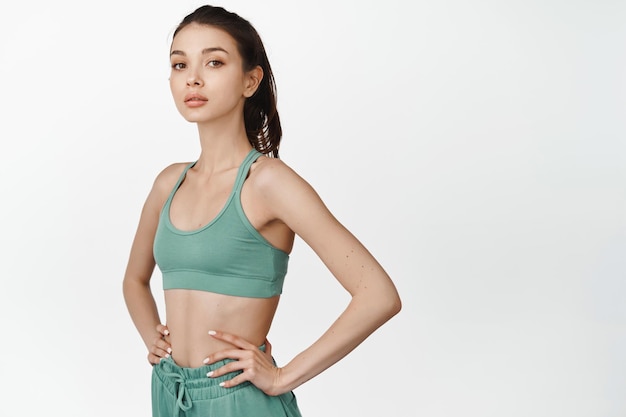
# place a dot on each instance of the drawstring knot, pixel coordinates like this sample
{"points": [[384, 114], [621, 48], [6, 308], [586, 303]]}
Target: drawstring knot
{"points": [[183, 402]]}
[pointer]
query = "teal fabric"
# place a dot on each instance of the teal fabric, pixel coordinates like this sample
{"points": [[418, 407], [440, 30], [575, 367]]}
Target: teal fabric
{"points": [[188, 392], [227, 256]]}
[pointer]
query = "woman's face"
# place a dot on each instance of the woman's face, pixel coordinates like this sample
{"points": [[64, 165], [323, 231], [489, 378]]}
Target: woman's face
{"points": [[207, 78]]}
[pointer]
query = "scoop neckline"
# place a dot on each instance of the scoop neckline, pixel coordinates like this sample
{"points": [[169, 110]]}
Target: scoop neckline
{"points": [[219, 214]]}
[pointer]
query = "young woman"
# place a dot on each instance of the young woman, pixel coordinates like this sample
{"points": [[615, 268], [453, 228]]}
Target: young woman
{"points": [[221, 230]]}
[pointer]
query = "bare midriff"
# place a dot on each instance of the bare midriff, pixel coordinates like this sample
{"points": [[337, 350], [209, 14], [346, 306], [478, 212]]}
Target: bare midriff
{"points": [[190, 314]]}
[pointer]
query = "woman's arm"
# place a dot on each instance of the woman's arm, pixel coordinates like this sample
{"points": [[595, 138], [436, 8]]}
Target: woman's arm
{"points": [[374, 296], [136, 285]]}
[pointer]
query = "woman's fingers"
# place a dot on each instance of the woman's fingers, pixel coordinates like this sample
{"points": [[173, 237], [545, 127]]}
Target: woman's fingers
{"points": [[232, 339], [163, 331], [249, 363], [233, 382], [226, 369], [236, 354], [160, 348], [154, 359], [254, 364]]}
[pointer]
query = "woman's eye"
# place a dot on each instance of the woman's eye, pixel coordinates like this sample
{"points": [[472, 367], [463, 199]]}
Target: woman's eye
{"points": [[178, 66], [214, 63]]}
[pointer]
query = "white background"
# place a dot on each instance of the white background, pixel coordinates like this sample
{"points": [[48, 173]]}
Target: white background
{"points": [[477, 148]]}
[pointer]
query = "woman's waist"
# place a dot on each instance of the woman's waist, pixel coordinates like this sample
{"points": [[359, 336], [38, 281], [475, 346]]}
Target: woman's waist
{"points": [[191, 345], [190, 315]]}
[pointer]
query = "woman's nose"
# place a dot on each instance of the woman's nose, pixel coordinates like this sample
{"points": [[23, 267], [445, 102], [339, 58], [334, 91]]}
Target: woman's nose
{"points": [[194, 80]]}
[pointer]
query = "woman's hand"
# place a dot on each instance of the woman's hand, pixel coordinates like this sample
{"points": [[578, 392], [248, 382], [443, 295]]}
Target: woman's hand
{"points": [[256, 365], [160, 348]]}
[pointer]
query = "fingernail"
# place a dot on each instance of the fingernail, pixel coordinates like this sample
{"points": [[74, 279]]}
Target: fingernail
{"points": [[161, 359], [212, 332], [209, 373], [167, 355], [222, 384], [206, 360], [166, 332], [169, 350]]}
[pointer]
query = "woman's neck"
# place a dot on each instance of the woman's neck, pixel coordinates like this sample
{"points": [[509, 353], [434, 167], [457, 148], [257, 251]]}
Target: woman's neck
{"points": [[222, 145]]}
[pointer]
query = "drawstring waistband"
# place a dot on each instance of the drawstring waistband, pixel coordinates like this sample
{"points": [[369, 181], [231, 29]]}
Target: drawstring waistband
{"points": [[183, 401], [189, 384]]}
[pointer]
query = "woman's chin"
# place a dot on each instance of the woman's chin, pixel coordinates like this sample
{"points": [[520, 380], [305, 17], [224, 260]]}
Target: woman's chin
{"points": [[194, 118]]}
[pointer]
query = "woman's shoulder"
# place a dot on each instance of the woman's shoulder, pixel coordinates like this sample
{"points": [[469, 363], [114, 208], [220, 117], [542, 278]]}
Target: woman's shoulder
{"points": [[167, 178], [268, 172], [276, 181], [284, 193]]}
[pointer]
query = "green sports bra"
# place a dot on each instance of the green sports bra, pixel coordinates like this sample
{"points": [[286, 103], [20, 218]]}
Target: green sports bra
{"points": [[227, 256]]}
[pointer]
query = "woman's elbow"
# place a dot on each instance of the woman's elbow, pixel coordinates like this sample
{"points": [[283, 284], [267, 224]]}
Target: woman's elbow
{"points": [[388, 304], [393, 304]]}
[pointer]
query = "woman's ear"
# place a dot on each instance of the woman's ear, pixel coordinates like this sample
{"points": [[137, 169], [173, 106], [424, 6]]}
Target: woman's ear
{"points": [[252, 81]]}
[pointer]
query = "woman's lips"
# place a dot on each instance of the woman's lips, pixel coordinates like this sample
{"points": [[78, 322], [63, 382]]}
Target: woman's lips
{"points": [[195, 100]]}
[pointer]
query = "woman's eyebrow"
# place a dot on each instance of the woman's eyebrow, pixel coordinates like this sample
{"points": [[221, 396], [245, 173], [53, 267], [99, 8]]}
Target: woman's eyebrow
{"points": [[216, 48], [204, 51]]}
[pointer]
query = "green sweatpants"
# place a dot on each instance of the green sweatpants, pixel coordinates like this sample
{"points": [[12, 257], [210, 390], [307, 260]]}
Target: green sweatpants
{"points": [[178, 391]]}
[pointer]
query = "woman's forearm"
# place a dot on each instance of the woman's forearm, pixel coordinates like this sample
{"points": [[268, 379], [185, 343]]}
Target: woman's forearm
{"points": [[142, 309], [363, 315]]}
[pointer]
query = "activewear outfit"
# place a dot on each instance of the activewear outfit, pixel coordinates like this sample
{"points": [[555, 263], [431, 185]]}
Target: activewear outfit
{"points": [[226, 256]]}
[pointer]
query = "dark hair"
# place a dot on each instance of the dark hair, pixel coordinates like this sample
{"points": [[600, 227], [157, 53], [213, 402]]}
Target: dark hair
{"points": [[260, 113]]}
